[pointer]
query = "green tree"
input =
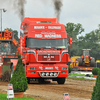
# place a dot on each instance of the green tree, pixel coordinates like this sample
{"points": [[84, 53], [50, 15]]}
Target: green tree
{"points": [[93, 93], [96, 88], [73, 30], [91, 40], [19, 79]]}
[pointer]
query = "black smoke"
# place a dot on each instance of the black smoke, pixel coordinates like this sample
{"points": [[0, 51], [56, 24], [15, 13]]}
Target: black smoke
{"points": [[19, 7], [57, 6]]}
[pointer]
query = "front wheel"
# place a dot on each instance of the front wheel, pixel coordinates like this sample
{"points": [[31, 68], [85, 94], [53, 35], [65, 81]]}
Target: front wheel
{"points": [[61, 80]]}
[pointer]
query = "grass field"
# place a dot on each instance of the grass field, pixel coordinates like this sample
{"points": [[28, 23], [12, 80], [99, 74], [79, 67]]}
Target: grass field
{"points": [[75, 74], [4, 97], [80, 78]]}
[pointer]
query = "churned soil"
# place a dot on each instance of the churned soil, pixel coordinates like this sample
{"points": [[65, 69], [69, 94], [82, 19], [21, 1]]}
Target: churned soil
{"points": [[77, 89]]}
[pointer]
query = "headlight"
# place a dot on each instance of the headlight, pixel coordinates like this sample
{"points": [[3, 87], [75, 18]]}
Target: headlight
{"points": [[55, 74], [43, 74], [32, 68], [63, 68], [51, 74], [47, 74]]}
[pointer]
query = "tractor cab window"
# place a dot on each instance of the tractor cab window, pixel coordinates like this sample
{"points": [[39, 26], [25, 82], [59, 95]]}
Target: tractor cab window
{"points": [[86, 52], [5, 48]]}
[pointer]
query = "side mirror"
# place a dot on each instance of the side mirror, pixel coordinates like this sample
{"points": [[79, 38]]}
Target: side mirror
{"points": [[70, 40]]}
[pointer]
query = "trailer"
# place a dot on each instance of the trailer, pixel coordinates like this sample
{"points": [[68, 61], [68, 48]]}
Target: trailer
{"points": [[84, 68]]}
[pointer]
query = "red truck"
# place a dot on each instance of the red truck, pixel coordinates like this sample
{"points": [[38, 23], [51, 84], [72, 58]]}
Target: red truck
{"points": [[44, 49]]}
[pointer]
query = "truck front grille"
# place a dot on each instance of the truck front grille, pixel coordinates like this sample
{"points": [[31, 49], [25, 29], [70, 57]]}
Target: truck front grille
{"points": [[48, 73], [48, 58]]}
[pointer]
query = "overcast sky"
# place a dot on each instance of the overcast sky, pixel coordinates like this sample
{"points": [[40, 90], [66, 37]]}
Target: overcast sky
{"points": [[85, 12]]}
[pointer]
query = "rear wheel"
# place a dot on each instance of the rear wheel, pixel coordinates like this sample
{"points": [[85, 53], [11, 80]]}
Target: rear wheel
{"points": [[92, 62], [61, 80], [80, 61]]}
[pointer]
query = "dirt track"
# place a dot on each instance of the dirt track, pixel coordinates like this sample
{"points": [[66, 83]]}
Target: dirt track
{"points": [[77, 89]]}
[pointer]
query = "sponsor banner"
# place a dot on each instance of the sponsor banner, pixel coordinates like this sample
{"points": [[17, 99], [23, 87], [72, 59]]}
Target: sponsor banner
{"points": [[47, 27], [47, 32], [47, 35]]}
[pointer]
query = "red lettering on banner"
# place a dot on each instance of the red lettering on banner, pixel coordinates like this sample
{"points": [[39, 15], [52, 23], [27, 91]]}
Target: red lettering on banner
{"points": [[10, 34], [5, 34], [0, 34]]}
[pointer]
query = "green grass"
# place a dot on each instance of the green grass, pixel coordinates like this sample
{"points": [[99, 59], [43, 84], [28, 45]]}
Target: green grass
{"points": [[4, 97], [75, 74]]}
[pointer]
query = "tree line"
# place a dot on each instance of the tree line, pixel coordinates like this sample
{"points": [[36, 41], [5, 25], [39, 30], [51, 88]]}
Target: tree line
{"points": [[91, 40]]}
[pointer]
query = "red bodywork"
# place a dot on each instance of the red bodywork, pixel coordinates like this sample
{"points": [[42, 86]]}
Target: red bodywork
{"points": [[43, 60]]}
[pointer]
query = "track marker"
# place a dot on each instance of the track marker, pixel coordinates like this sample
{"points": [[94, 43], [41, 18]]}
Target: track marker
{"points": [[66, 96], [10, 92]]}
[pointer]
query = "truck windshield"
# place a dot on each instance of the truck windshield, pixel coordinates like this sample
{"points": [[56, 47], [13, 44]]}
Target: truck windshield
{"points": [[5, 47], [47, 43]]}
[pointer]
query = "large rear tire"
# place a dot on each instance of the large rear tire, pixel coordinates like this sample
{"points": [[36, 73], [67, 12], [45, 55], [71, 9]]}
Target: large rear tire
{"points": [[92, 62], [61, 80], [80, 61]]}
